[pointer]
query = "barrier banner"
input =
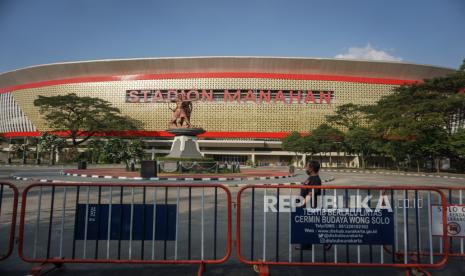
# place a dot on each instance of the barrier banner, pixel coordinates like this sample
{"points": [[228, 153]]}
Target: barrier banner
{"points": [[455, 220], [342, 226], [120, 221]]}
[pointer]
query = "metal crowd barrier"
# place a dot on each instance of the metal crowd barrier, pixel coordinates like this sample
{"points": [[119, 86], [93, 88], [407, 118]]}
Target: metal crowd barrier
{"points": [[125, 224], [270, 238], [8, 206], [456, 204], [455, 212]]}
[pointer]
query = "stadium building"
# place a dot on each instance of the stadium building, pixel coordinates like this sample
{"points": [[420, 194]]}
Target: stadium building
{"points": [[246, 104]]}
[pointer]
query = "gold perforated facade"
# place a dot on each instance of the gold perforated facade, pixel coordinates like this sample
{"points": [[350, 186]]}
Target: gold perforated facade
{"points": [[216, 116]]}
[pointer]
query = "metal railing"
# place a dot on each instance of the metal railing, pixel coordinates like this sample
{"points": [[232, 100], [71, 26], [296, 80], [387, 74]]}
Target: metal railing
{"points": [[455, 223], [191, 224], [125, 223], [265, 238], [8, 207]]}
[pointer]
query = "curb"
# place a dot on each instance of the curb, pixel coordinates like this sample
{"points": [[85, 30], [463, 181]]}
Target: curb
{"points": [[178, 178], [394, 173], [153, 178], [43, 180], [233, 185], [20, 165], [285, 183]]}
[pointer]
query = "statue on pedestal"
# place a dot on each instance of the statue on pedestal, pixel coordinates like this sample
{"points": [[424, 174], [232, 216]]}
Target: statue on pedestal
{"points": [[182, 112], [185, 141]]}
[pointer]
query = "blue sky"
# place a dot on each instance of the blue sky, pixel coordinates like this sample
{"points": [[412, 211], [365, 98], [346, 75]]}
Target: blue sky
{"points": [[47, 31]]}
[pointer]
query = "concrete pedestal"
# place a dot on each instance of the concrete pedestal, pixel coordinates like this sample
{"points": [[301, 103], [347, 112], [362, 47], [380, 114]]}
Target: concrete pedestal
{"points": [[185, 147], [185, 143]]}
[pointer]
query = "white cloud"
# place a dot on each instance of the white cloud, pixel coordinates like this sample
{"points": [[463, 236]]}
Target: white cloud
{"points": [[367, 52]]}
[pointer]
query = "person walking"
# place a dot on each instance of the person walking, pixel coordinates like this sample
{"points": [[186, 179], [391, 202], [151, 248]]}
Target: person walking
{"points": [[312, 169]]}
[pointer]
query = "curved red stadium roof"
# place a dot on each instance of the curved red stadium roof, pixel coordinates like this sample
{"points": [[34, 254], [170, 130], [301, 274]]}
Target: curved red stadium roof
{"points": [[219, 67]]}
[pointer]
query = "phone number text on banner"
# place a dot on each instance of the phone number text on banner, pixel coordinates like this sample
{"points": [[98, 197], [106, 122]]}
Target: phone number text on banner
{"points": [[342, 226]]}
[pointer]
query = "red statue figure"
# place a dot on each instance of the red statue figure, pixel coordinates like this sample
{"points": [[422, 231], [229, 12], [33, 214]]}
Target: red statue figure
{"points": [[182, 112]]}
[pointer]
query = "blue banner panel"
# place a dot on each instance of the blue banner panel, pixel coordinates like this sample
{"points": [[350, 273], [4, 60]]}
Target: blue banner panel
{"points": [[341, 226], [97, 222]]}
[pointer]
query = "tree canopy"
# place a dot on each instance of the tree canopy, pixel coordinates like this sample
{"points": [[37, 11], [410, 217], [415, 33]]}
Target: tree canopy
{"points": [[348, 116], [293, 142], [326, 137], [421, 123], [359, 141], [50, 143], [418, 121], [119, 150], [82, 117], [457, 143], [322, 139]]}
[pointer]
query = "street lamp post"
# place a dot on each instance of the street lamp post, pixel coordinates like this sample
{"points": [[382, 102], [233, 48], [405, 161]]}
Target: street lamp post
{"points": [[24, 150]]}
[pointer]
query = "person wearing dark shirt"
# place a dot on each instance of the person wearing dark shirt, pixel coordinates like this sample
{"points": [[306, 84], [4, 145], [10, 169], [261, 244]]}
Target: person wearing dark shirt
{"points": [[311, 168]]}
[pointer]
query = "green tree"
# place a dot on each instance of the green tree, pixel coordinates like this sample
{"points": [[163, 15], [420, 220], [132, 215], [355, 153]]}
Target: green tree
{"points": [[360, 142], [135, 149], [114, 150], [348, 116], [424, 116], [457, 143], [457, 148], [13, 150], [117, 150], [309, 145], [420, 115], [20, 150], [326, 138], [82, 117], [51, 144], [293, 143], [95, 148], [396, 150]]}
